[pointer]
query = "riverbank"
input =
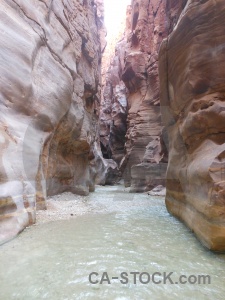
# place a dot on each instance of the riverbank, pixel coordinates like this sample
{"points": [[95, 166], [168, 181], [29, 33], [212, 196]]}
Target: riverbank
{"points": [[108, 199], [64, 207]]}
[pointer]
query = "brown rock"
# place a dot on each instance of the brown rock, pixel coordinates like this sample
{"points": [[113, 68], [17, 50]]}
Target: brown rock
{"points": [[113, 112], [147, 176], [192, 76], [158, 191], [127, 131], [50, 56], [114, 108], [150, 21], [103, 171]]}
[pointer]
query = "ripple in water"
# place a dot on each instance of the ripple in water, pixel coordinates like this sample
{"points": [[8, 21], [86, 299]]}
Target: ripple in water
{"points": [[53, 261]]}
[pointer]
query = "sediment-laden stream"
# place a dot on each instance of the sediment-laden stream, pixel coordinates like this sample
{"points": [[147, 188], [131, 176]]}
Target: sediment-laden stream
{"points": [[121, 232]]}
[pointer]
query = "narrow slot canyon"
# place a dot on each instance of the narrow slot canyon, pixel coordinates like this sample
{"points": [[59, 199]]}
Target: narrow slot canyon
{"points": [[112, 144]]}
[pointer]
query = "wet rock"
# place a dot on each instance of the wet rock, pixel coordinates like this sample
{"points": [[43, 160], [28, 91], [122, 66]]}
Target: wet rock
{"points": [[158, 191]]}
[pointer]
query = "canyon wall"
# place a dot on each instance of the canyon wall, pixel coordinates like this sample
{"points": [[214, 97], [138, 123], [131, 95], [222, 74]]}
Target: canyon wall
{"points": [[114, 107], [50, 55], [192, 72], [113, 113], [131, 129], [146, 140]]}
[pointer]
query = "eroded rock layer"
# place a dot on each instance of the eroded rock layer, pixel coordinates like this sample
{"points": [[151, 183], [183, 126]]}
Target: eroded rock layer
{"points": [[130, 119], [192, 76], [50, 55], [113, 113], [146, 155]]}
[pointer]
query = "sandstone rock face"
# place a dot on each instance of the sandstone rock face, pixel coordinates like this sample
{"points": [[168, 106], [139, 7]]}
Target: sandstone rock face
{"points": [[105, 171], [114, 108], [50, 55], [150, 22], [192, 74], [131, 129], [113, 113]]}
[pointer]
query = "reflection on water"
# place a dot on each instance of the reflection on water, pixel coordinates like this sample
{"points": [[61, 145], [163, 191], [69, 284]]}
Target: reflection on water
{"points": [[53, 261]]}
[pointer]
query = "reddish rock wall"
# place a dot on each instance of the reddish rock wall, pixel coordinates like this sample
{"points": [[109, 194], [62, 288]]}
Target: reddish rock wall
{"points": [[113, 112], [114, 107], [131, 129], [192, 74]]}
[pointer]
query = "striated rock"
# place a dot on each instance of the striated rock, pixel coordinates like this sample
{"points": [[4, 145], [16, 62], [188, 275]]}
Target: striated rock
{"points": [[50, 55], [150, 22], [114, 108], [152, 171], [147, 176], [192, 76], [129, 128], [113, 113]]}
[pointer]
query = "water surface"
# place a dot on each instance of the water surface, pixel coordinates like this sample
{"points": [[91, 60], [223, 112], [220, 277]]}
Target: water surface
{"points": [[132, 233]]}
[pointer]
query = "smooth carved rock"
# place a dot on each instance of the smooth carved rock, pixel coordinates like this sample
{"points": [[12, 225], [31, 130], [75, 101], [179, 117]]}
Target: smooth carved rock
{"points": [[192, 73], [50, 54], [104, 171]]}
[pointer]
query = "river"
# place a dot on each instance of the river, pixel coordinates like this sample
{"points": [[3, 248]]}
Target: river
{"points": [[134, 233]]}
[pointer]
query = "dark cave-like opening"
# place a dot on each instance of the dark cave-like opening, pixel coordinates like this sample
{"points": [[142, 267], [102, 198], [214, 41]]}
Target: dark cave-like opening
{"points": [[106, 152]]}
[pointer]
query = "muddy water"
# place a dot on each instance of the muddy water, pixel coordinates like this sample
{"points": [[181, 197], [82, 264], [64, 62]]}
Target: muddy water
{"points": [[132, 233]]}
